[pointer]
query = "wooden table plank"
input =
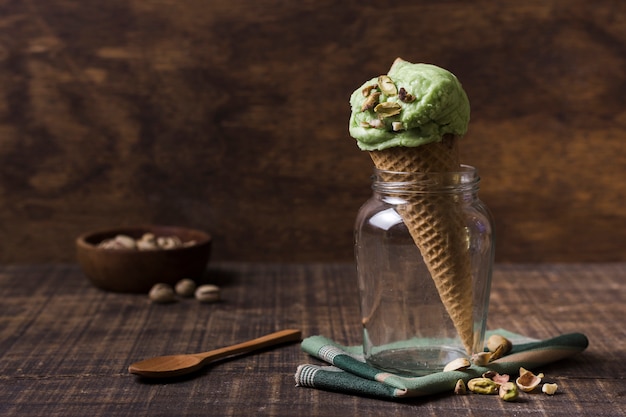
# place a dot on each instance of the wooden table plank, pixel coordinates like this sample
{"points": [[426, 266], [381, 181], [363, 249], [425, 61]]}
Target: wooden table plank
{"points": [[65, 346]]}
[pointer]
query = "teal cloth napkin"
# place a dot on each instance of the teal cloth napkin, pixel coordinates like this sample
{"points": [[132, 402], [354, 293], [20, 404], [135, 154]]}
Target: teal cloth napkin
{"points": [[348, 372]]}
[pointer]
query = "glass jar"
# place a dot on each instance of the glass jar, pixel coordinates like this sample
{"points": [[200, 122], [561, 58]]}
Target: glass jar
{"points": [[424, 249]]}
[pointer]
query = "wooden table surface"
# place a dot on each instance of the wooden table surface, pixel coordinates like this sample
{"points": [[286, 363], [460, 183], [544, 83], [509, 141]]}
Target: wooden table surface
{"points": [[65, 346]]}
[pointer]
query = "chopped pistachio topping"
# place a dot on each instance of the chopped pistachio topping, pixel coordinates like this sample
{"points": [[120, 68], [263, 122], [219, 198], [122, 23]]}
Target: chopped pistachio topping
{"points": [[387, 86], [388, 109]]}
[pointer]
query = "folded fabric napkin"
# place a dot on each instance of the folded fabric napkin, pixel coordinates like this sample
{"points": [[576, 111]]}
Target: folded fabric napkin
{"points": [[350, 374]]}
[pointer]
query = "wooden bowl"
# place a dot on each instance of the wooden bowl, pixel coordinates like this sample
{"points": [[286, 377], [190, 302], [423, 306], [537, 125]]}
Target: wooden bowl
{"points": [[132, 270]]}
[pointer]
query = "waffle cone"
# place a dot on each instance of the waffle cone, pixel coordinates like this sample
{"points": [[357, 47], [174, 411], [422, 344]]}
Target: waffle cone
{"points": [[437, 226]]}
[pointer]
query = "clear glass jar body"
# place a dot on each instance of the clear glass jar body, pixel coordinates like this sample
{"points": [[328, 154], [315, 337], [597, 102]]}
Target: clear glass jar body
{"points": [[410, 327]]}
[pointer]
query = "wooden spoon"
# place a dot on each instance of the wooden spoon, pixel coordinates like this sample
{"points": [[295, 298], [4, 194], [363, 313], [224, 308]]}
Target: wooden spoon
{"points": [[176, 365]]}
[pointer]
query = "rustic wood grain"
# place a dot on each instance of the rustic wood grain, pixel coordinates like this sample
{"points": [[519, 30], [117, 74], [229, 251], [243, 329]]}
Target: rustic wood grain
{"points": [[232, 116], [65, 345]]}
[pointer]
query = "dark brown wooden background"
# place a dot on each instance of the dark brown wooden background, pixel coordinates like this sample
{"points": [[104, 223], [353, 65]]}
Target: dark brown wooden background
{"points": [[231, 116]]}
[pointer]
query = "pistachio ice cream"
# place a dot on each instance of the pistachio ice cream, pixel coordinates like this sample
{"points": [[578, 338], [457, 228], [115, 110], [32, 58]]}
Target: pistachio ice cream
{"points": [[414, 104]]}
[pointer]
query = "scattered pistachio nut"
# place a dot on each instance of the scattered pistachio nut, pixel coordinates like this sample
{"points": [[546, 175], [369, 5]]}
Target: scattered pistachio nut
{"points": [[528, 381], [489, 374], [498, 353], [162, 294], [386, 85], [185, 287], [549, 389], [482, 386], [496, 377], [481, 358], [208, 293], [460, 388], [508, 391], [500, 379], [457, 364], [499, 346]]}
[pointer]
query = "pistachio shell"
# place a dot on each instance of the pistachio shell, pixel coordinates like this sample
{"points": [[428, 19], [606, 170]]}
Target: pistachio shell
{"points": [[481, 358], [528, 381], [457, 364], [499, 346], [460, 388], [185, 287], [208, 293], [162, 294]]}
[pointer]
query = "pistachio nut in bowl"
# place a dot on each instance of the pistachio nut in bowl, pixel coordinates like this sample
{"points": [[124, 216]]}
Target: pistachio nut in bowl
{"points": [[133, 259]]}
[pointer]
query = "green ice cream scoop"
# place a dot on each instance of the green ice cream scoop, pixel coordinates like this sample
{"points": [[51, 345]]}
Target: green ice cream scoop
{"points": [[414, 104]]}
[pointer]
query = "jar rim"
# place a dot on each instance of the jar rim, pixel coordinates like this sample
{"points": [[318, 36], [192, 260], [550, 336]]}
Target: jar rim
{"points": [[463, 180], [462, 170]]}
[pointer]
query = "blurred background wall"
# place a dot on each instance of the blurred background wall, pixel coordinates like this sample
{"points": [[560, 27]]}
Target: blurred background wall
{"points": [[231, 116]]}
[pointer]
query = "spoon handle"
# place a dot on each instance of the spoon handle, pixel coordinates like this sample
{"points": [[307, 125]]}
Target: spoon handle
{"points": [[272, 339]]}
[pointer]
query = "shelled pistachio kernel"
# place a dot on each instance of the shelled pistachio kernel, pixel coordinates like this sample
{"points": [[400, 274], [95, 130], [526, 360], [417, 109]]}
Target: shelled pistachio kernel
{"points": [[208, 293], [482, 386], [508, 391], [162, 294], [549, 389], [185, 287]]}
